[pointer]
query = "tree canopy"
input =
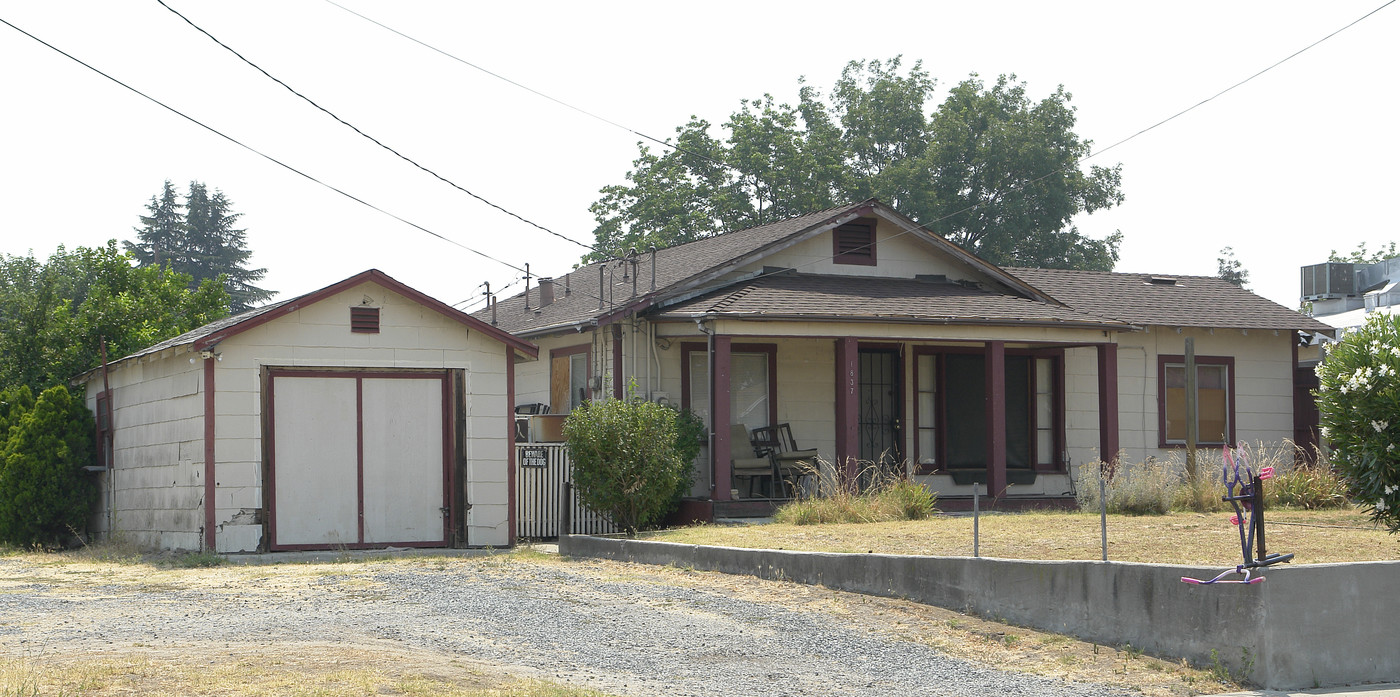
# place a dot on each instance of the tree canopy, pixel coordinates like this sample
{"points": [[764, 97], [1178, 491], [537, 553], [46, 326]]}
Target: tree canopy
{"points": [[1361, 256], [989, 168], [199, 238], [1231, 269], [54, 314]]}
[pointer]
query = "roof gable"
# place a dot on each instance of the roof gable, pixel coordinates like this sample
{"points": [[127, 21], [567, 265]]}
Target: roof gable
{"points": [[601, 291], [210, 334]]}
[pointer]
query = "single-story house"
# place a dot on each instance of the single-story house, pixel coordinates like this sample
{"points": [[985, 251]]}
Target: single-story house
{"points": [[363, 414], [875, 340]]}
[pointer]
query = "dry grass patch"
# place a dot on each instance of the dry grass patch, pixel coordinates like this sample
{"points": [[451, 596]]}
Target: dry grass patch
{"points": [[1208, 539], [324, 670]]}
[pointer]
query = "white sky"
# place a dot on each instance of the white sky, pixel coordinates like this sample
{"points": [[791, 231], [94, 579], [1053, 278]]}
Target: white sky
{"points": [[1298, 162]]}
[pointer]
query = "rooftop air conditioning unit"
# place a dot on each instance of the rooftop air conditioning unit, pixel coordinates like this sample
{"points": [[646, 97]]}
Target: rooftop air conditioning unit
{"points": [[1330, 280]]}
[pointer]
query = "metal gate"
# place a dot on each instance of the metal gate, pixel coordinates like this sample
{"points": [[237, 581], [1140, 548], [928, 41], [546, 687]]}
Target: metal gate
{"points": [[541, 470]]}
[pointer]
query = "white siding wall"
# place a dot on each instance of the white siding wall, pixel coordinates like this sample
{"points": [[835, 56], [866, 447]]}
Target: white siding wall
{"points": [[160, 417], [896, 256], [1263, 406], [158, 409]]}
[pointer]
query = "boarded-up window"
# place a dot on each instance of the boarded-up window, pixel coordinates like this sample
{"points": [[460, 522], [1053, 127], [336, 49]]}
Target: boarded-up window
{"points": [[364, 320], [1214, 410], [854, 243], [568, 379]]}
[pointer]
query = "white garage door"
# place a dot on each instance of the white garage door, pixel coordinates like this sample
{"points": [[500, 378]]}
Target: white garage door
{"points": [[358, 460]]}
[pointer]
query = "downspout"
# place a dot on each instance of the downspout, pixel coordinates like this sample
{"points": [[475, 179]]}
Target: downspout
{"points": [[709, 417]]}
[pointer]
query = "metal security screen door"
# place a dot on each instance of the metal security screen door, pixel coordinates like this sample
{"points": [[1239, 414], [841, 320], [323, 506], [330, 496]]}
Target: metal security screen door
{"points": [[880, 413], [358, 460]]}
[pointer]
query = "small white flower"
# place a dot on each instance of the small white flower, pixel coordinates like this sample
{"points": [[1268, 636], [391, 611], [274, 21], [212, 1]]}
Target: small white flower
{"points": [[1390, 447], [1380, 505], [1391, 489], [1379, 425]]}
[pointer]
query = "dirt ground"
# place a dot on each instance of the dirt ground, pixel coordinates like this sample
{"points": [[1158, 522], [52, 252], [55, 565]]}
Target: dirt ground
{"points": [[80, 626]]}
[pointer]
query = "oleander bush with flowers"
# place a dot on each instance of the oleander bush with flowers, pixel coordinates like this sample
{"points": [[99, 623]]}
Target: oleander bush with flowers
{"points": [[1359, 400]]}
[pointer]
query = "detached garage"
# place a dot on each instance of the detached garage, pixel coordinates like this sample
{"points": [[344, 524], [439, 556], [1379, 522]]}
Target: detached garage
{"points": [[364, 414]]}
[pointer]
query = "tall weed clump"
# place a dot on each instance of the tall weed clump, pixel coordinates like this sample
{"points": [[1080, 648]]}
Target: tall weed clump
{"points": [[1157, 486], [1358, 399], [873, 495]]}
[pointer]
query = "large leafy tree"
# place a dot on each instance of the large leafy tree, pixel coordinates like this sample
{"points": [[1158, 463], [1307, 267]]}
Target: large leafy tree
{"points": [[199, 237], [989, 168], [54, 314]]}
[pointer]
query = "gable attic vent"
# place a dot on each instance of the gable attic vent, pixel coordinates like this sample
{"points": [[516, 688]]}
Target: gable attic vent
{"points": [[854, 243], [364, 320]]}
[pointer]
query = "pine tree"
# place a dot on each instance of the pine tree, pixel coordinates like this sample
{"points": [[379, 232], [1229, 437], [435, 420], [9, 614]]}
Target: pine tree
{"points": [[162, 235], [202, 242]]}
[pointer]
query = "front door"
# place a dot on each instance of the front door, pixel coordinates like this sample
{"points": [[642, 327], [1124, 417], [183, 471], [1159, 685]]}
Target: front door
{"points": [[881, 401]]}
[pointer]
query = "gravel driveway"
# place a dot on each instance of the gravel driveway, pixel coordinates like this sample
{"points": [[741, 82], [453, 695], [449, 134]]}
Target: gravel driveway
{"points": [[608, 626]]}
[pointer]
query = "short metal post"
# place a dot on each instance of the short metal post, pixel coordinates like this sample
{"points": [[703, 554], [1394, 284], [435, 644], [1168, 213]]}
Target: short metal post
{"points": [[566, 516], [976, 516], [1103, 514]]}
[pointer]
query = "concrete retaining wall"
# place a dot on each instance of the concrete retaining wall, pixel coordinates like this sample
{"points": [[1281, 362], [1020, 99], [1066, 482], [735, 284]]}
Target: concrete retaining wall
{"points": [[1313, 625]]}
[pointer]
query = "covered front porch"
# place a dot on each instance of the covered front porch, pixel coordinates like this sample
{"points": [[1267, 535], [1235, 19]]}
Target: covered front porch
{"points": [[1004, 414]]}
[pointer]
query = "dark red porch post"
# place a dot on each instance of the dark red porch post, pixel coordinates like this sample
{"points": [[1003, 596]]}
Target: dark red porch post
{"points": [[847, 405], [1108, 403], [994, 359], [719, 417]]}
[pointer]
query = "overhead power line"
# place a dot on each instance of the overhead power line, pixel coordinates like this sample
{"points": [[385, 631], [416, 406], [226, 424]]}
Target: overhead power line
{"points": [[531, 90], [257, 152], [371, 138]]}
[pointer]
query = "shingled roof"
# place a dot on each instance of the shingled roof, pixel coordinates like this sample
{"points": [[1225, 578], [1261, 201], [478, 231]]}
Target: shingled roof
{"points": [[690, 267], [1166, 300], [814, 297]]}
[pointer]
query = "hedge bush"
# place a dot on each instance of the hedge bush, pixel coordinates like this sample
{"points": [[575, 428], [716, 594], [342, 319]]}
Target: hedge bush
{"points": [[1359, 400], [626, 460], [45, 495]]}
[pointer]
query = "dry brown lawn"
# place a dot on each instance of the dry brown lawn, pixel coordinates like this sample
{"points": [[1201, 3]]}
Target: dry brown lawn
{"points": [[1202, 539]]}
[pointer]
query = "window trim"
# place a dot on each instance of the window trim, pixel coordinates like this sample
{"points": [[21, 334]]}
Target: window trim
{"points": [[690, 347], [587, 350], [860, 258], [1057, 462], [1163, 360]]}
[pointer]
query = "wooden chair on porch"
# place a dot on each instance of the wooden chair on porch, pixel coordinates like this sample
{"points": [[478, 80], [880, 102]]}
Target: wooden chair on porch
{"points": [[790, 463], [747, 463]]}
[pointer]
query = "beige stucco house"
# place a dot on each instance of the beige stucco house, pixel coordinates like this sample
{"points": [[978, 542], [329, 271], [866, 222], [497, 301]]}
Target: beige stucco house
{"points": [[875, 340], [363, 414]]}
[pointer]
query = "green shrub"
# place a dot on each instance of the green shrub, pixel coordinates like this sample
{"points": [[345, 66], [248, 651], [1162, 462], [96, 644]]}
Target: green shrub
{"points": [[625, 460], [1358, 397], [887, 497], [45, 495]]}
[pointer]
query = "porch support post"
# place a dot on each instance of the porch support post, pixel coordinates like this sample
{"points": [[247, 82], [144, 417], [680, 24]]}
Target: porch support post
{"points": [[847, 405], [617, 359], [1108, 403], [720, 419], [994, 358]]}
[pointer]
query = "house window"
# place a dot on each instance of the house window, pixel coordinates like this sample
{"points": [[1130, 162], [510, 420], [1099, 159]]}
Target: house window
{"points": [[568, 378], [854, 243], [104, 429], [952, 425], [364, 320], [752, 374], [927, 413], [1215, 400]]}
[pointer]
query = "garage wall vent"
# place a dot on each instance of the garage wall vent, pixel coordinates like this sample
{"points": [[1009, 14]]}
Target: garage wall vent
{"points": [[364, 320]]}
